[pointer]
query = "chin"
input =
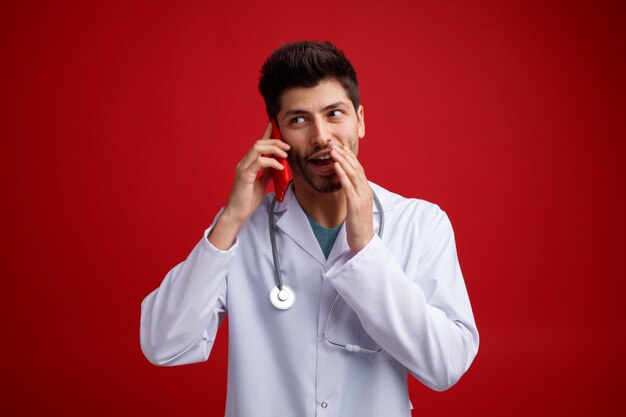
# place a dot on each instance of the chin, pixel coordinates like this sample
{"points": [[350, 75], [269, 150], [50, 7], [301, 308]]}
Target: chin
{"points": [[329, 189], [323, 186]]}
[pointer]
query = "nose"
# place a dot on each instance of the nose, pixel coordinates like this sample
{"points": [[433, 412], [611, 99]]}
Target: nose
{"points": [[320, 133]]}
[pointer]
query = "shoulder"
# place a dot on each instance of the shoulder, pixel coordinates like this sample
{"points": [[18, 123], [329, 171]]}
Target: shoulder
{"points": [[413, 209], [422, 223]]}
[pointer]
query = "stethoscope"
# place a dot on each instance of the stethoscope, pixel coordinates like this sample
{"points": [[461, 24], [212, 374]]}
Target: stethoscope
{"points": [[282, 296]]}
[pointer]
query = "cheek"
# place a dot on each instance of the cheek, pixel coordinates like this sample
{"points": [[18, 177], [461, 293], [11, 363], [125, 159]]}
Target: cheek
{"points": [[295, 159], [296, 142], [295, 153], [350, 137]]}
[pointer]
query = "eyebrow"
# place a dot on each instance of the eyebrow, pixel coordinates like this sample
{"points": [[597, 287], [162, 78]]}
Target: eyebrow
{"points": [[294, 112]]}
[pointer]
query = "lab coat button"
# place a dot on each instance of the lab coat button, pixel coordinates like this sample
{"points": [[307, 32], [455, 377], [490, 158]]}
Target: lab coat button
{"points": [[324, 405], [325, 269]]}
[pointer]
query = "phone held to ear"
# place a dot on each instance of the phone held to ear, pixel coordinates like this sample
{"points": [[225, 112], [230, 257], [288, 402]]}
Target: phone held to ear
{"points": [[281, 178]]}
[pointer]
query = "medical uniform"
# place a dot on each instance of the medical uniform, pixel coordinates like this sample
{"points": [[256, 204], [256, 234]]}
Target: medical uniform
{"points": [[403, 294]]}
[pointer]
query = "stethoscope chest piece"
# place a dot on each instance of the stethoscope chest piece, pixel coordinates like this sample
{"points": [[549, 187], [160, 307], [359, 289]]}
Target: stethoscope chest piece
{"points": [[282, 299]]}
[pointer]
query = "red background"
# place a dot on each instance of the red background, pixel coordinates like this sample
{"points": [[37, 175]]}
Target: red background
{"points": [[122, 123]]}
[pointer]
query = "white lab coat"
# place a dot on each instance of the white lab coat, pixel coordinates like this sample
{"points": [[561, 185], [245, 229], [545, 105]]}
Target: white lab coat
{"points": [[404, 293]]}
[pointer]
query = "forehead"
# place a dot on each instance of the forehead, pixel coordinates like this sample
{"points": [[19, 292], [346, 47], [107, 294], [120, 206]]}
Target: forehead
{"points": [[313, 99]]}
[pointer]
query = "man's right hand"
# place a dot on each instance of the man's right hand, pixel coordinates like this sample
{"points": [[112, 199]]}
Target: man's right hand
{"points": [[248, 188]]}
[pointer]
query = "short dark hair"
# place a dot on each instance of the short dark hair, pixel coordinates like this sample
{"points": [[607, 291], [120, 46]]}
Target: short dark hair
{"points": [[305, 64]]}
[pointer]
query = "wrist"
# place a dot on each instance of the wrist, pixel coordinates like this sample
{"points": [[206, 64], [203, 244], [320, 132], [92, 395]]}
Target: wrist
{"points": [[224, 232], [230, 221]]}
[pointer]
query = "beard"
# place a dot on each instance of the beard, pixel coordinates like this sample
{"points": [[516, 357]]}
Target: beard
{"points": [[320, 183]]}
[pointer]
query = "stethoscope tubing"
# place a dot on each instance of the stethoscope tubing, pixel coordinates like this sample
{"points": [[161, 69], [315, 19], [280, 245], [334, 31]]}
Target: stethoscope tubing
{"points": [[284, 304], [278, 278], [277, 274]]}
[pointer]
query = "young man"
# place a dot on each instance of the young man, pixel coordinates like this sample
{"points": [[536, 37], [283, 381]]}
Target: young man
{"points": [[355, 310]]}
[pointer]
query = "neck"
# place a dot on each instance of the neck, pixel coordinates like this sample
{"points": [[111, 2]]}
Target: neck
{"points": [[327, 209]]}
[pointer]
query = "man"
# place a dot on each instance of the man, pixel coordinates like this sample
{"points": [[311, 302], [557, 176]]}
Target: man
{"points": [[366, 309]]}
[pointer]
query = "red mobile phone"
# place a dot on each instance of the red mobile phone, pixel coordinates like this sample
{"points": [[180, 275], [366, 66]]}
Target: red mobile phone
{"points": [[281, 178]]}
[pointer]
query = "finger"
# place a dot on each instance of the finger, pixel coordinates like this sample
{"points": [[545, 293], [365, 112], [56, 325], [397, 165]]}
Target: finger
{"points": [[253, 172], [251, 166], [340, 157], [265, 162], [265, 147], [346, 184], [270, 148], [349, 156], [274, 142]]}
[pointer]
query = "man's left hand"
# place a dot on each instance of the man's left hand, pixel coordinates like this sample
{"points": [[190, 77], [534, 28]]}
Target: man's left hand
{"points": [[359, 196]]}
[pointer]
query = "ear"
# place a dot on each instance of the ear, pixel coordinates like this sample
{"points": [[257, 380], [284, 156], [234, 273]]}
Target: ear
{"points": [[360, 114]]}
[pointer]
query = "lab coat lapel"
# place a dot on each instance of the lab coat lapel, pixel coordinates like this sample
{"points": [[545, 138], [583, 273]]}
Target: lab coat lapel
{"points": [[296, 226], [294, 223]]}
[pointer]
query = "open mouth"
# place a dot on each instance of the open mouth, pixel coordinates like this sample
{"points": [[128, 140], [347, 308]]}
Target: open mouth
{"points": [[322, 160]]}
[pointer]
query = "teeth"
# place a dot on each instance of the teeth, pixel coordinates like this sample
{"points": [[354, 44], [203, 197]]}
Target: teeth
{"points": [[323, 157]]}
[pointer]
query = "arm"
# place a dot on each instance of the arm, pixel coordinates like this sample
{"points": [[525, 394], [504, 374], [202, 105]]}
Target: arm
{"points": [[179, 320], [424, 321]]}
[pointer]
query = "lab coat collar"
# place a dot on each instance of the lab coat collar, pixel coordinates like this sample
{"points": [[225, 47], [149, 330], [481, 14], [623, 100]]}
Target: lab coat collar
{"points": [[292, 221]]}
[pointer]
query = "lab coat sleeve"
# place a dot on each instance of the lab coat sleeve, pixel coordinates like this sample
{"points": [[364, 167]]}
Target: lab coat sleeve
{"points": [[424, 321], [179, 320]]}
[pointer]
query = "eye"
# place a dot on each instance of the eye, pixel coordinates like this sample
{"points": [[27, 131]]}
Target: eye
{"points": [[334, 114], [296, 120]]}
